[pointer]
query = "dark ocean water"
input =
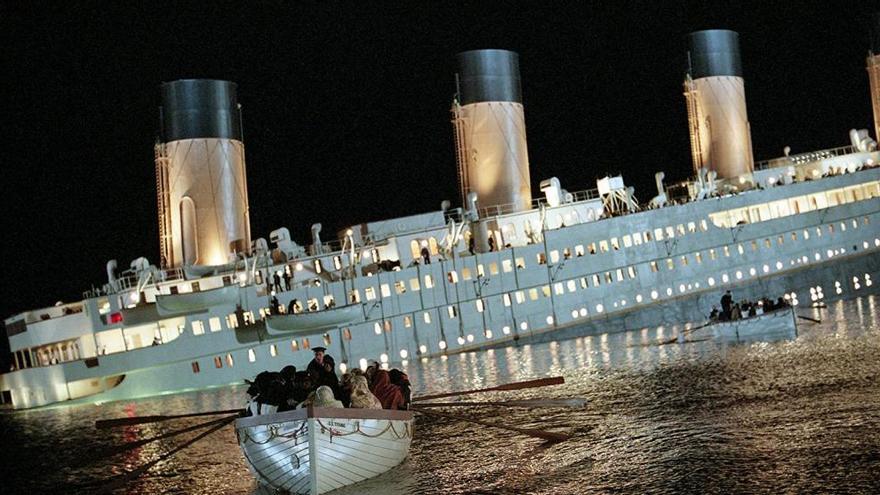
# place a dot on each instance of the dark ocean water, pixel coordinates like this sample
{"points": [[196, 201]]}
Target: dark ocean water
{"points": [[790, 416]]}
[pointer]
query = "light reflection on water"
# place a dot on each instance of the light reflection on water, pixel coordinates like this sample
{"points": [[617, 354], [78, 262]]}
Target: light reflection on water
{"points": [[787, 416]]}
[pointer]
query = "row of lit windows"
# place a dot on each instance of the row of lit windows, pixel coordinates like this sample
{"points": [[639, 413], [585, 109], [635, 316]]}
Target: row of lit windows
{"points": [[303, 344], [796, 205]]}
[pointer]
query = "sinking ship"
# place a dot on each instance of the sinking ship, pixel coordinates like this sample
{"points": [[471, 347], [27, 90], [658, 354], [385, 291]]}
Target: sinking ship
{"points": [[506, 267]]}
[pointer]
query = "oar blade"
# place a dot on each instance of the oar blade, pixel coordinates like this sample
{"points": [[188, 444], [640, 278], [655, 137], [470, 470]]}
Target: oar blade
{"points": [[103, 424]]}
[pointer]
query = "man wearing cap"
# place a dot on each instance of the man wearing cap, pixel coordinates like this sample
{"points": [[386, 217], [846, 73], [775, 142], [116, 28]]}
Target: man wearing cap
{"points": [[316, 365]]}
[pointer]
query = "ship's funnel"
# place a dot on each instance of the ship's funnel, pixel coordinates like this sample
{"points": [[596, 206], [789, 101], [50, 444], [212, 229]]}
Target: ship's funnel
{"points": [[490, 131], [200, 174], [719, 126], [873, 64]]}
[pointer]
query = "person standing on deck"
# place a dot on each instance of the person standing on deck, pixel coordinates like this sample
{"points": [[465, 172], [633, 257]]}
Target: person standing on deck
{"points": [[287, 277], [276, 278]]}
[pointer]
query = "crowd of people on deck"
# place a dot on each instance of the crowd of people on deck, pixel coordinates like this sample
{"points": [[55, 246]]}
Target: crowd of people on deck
{"points": [[319, 386], [731, 311]]}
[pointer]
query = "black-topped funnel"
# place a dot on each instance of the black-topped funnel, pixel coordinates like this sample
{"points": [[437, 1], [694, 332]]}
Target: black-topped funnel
{"points": [[714, 52], [489, 75], [200, 108]]}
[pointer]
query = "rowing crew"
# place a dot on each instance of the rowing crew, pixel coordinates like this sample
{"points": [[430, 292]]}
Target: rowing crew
{"points": [[319, 386]]}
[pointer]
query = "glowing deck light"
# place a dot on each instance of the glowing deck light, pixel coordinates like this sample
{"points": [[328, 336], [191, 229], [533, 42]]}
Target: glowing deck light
{"points": [[442, 344], [549, 320], [343, 367], [403, 353], [574, 313], [383, 358], [470, 337], [654, 294], [600, 308], [524, 325], [505, 330]]}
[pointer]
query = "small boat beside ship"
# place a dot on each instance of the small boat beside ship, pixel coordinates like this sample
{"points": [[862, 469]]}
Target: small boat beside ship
{"points": [[316, 450], [778, 323], [310, 321]]}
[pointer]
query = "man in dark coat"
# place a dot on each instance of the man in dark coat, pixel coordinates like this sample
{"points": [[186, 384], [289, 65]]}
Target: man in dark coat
{"points": [[316, 365], [726, 305]]}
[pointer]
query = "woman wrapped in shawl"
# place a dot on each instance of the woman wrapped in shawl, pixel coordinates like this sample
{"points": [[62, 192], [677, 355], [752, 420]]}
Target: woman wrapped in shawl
{"points": [[361, 397], [388, 394]]}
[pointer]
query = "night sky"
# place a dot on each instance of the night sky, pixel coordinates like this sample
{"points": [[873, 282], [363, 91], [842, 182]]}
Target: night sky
{"points": [[346, 112]]}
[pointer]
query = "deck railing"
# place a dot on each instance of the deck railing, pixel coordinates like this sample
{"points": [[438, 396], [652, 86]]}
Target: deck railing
{"points": [[802, 158], [507, 208]]}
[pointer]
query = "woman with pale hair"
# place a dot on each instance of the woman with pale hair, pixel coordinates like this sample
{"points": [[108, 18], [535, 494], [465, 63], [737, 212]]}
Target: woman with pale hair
{"points": [[361, 397], [322, 397]]}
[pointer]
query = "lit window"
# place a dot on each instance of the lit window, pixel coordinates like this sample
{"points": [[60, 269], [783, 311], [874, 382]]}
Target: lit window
{"points": [[703, 225], [712, 254], [354, 296], [670, 264], [699, 257], [370, 293], [627, 241], [400, 287], [306, 344], [739, 247], [318, 267], [312, 304], [229, 361], [603, 246], [273, 350], [571, 285], [231, 320], [592, 247], [493, 268], [654, 266], [620, 274], [218, 362], [631, 270], [327, 339], [337, 262], [680, 229], [615, 244], [658, 234], [466, 273], [407, 321], [346, 333], [198, 327], [545, 290], [252, 356], [427, 317], [670, 232], [584, 284], [558, 288], [386, 290], [429, 282], [637, 239], [566, 253], [506, 299], [780, 240], [507, 266], [195, 366], [684, 261], [727, 251], [554, 256], [482, 272], [214, 324], [692, 227], [596, 280], [414, 284], [451, 311], [520, 263], [533, 294], [452, 277], [479, 303], [294, 345], [520, 297], [387, 325]]}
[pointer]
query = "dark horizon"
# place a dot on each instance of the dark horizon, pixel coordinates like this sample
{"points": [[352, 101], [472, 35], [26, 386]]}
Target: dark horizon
{"points": [[346, 112]]}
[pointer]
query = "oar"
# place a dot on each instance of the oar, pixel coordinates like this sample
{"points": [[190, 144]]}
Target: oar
{"points": [[546, 435], [130, 476], [139, 420], [140, 443], [543, 382], [573, 402], [809, 319]]}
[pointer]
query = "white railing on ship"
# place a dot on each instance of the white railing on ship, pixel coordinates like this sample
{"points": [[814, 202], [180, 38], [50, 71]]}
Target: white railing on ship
{"points": [[504, 209], [131, 281], [802, 158]]}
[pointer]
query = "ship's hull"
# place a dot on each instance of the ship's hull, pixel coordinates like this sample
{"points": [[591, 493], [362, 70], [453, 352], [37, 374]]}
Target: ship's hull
{"points": [[316, 450], [422, 310]]}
